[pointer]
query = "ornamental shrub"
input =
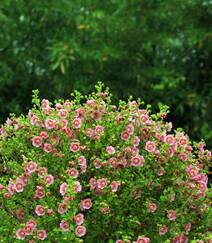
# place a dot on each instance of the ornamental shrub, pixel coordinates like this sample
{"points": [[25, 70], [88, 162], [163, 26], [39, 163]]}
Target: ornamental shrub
{"points": [[87, 171]]}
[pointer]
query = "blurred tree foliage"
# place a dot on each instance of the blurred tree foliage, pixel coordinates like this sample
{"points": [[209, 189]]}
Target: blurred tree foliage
{"points": [[158, 50]]}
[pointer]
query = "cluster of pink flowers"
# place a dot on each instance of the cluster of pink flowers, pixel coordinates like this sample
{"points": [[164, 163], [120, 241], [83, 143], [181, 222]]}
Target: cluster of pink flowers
{"points": [[96, 161]]}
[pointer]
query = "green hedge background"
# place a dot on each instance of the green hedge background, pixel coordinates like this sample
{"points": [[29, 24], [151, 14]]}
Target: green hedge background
{"points": [[158, 50]]}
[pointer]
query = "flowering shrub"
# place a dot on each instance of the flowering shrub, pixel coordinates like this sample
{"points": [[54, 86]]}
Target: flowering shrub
{"points": [[87, 171]]}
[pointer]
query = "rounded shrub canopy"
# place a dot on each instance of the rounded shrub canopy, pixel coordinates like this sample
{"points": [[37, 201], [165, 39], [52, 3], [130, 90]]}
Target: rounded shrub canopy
{"points": [[86, 170]]}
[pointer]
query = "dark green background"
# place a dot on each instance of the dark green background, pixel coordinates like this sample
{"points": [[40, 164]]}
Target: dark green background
{"points": [[158, 50]]}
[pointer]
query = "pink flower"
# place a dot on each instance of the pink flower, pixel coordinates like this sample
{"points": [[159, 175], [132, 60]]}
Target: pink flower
{"points": [[136, 141], [188, 227], [50, 124], [75, 147], [119, 241], [28, 229], [143, 240], [183, 141], [63, 188], [43, 134], [86, 204], [19, 185], [150, 146], [31, 167], [137, 161], [76, 123], [37, 141], [31, 223], [82, 161], [152, 207], [130, 129], [20, 234], [183, 156], [110, 150], [92, 183], [170, 139], [180, 239], [41, 234], [80, 231], [99, 129], [89, 132], [47, 147], [171, 214], [39, 210], [101, 183], [163, 230], [115, 185], [42, 171], [125, 135], [79, 218], [73, 172], [33, 120], [63, 113], [77, 187], [39, 192], [105, 210], [62, 208], [64, 225], [49, 179]]}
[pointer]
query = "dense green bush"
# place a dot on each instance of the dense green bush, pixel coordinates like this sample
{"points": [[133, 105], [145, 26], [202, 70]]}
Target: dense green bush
{"points": [[155, 49], [88, 171]]}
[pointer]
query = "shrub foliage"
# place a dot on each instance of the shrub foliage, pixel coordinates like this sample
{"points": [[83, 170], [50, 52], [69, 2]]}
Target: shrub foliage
{"points": [[86, 170]]}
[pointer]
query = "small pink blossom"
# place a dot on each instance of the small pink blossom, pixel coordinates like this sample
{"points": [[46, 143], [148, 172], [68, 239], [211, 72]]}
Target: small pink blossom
{"points": [[79, 218], [64, 225], [73, 172], [37, 141], [63, 113], [30, 167], [101, 183], [82, 161], [50, 124], [19, 185], [171, 214], [143, 240], [20, 234], [41, 234], [137, 161], [125, 135], [47, 147], [183, 156], [130, 129], [150, 146], [80, 231], [63, 188], [188, 227], [49, 179], [39, 210], [77, 187], [42, 171], [89, 132], [152, 207], [110, 150], [86, 204], [39, 192], [62, 208], [163, 230], [75, 147], [92, 183], [115, 185], [99, 129], [77, 123], [180, 239], [44, 134]]}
